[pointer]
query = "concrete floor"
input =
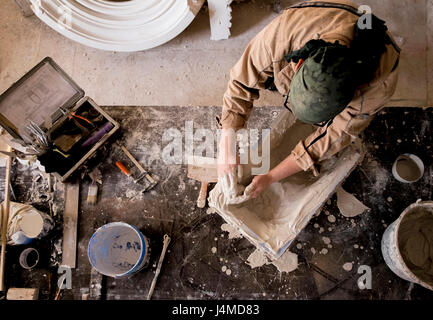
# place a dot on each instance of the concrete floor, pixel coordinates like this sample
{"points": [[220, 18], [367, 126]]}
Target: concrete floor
{"points": [[191, 269], [193, 70]]}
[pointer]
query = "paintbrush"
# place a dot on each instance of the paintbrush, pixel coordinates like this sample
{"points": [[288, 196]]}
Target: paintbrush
{"points": [[92, 194]]}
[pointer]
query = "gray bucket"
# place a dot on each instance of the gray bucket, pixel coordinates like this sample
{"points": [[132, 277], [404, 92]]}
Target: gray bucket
{"points": [[395, 242], [118, 250]]}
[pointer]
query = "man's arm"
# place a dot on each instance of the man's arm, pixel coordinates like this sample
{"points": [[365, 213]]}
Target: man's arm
{"points": [[247, 77]]}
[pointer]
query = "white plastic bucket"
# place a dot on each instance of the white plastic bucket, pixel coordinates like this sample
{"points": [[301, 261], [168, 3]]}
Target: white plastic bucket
{"points": [[118, 250], [391, 247], [27, 223]]}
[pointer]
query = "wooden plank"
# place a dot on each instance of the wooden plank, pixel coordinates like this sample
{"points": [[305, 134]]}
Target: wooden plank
{"points": [[5, 221], [22, 294], [70, 224], [25, 7]]}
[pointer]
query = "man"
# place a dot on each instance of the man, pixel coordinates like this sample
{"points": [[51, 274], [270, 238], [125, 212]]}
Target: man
{"points": [[334, 72]]}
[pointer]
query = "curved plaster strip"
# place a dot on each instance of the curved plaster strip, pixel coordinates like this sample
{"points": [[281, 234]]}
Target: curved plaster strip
{"points": [[128, 26]]}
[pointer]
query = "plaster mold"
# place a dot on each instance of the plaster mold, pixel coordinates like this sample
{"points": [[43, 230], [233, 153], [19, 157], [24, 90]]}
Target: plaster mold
{"points": [[220, 15], [128, 26], [273, 220]]}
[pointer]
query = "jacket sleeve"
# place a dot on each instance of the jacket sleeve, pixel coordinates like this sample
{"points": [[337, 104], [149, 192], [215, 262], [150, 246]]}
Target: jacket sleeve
{"points": [[350, 122], [247, 77]]}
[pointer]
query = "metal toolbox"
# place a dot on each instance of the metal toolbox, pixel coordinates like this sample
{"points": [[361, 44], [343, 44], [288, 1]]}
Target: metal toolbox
{"points": [[48, 99]]}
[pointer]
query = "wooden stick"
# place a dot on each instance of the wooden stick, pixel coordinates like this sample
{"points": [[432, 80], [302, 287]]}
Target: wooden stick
{"points": [[59, 289], [5, 221], [158, 270], [70, 224]]}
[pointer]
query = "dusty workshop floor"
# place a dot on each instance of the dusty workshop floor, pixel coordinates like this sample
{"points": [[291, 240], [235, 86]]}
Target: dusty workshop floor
{"points": [[192, 70], [191, 270]]}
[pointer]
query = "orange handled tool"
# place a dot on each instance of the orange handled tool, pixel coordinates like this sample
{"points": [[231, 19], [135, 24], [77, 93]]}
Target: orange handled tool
{"points": [[122, 168]]}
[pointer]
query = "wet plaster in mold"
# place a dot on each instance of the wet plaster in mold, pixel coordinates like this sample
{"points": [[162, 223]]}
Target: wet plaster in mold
{"points": [[272, 220]]}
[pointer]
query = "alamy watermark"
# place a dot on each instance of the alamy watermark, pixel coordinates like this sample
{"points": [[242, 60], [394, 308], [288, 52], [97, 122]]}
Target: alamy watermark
{"points": [[65, 279], [365, 21], [364, 281], [244, 146]]}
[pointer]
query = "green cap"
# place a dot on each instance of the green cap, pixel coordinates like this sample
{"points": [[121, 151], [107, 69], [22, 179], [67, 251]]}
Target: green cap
{"points": [[324, 84]]}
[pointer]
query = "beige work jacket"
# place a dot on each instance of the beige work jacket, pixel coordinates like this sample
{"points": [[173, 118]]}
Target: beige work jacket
{"points": [[264, 58]]}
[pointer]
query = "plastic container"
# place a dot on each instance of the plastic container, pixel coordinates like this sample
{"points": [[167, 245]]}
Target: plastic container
{"points": [[118, 250], [390, 246]]}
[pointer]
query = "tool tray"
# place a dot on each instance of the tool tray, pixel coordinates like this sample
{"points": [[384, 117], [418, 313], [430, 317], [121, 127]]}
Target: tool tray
{"points": [[72, 124]]}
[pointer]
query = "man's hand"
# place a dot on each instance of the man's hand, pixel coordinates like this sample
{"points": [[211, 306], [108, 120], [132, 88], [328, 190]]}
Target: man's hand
{"points": [[285, 169], [260, 184]]}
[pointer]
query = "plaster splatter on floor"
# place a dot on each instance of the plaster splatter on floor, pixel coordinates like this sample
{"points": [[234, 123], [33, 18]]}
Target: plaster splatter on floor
{"points": [[233, 231], [316, 225], [348, 204], [299, 246], [134, 194], [326, 240], [214, 250], [348, 266], [286, 263], [228, 272], [331, 218], [313, 250], [323, 251], [224, 268], [256, 259], [321, 230]]}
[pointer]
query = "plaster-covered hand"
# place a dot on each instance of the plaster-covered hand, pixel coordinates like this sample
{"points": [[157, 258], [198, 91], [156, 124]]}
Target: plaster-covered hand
{"points": [[286, 168], [259, 184]]}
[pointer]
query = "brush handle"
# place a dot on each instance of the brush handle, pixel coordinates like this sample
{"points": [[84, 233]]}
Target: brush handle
{"points": [[201, 201], [158, 269], [94, 138]]}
